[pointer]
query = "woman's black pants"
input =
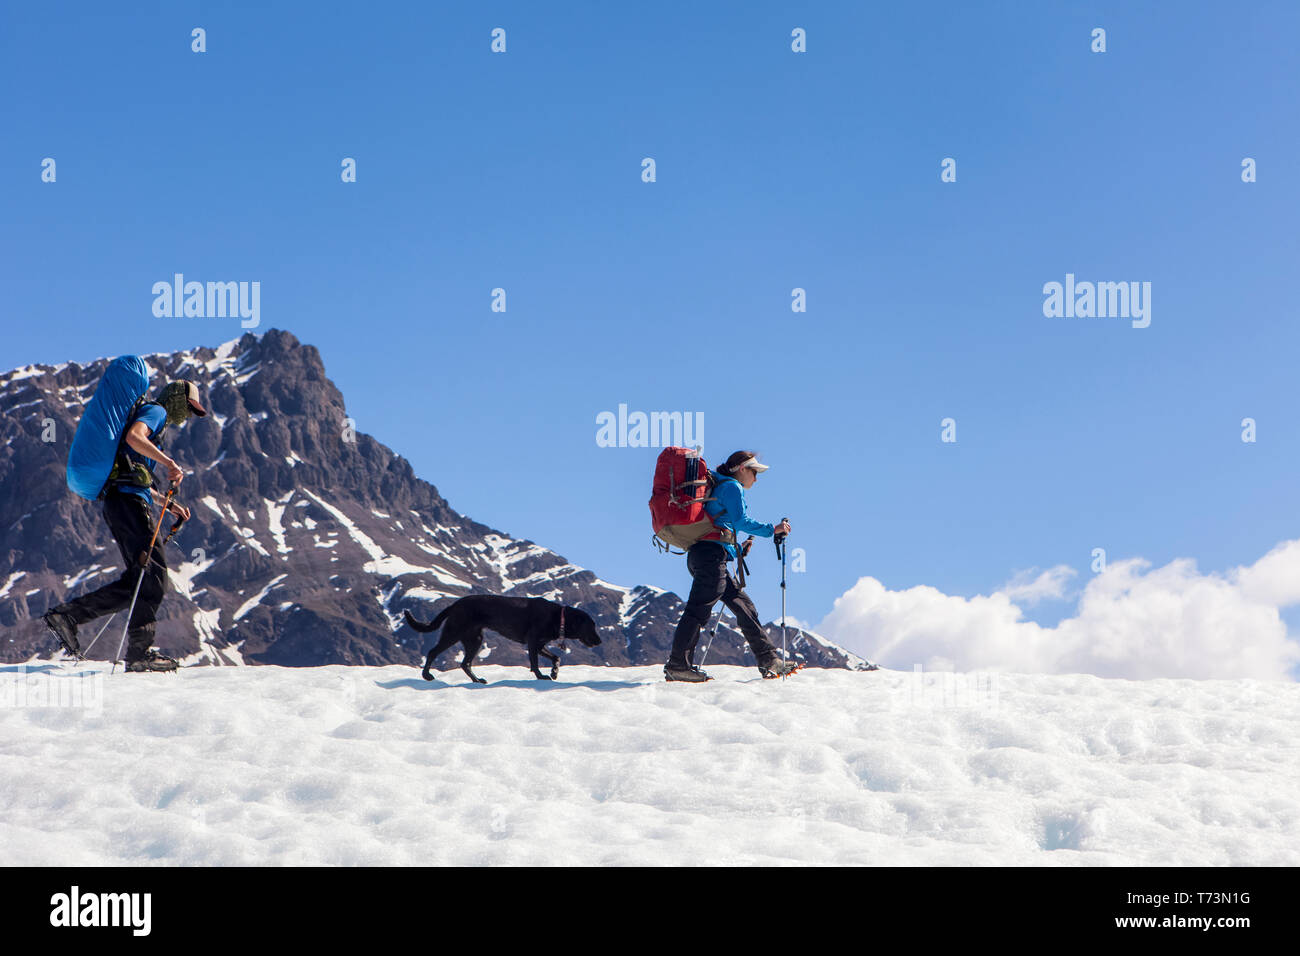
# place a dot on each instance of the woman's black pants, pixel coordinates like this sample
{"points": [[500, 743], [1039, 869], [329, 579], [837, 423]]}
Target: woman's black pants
{"points": [[711, 580]]}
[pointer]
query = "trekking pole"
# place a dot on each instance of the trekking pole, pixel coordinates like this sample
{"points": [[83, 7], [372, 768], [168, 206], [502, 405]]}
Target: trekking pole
{"points": [[86, 653], [780, 552], [143, 561], [713, 629]]}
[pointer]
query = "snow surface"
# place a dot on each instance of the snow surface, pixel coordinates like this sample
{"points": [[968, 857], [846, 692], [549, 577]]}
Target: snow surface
{"points": [[353, 765]]}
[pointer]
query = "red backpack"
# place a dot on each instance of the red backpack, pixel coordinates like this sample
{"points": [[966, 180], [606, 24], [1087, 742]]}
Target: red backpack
{"points": [[682, 485]]}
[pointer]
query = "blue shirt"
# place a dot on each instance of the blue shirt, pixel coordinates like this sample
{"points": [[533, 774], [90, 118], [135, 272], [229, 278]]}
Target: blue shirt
{"points": [[727, 509], [154, 417]]}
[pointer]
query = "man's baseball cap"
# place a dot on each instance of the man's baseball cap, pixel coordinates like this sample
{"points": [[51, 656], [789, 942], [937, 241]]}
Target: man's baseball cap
{"points": [[181, 400], [192, 396]]}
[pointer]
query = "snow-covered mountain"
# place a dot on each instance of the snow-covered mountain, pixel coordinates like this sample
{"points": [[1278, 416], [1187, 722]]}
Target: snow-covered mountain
{"points": [[351, 765], [307, 540]]}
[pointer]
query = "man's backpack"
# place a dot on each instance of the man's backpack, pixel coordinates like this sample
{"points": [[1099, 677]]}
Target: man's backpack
{"points": [[99, 433], [681, 487]]}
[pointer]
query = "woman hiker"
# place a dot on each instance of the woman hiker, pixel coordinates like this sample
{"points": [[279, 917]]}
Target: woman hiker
{"points": [[126, 510], [707, 562]]}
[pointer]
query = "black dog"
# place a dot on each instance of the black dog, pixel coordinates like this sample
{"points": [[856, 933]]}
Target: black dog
{"points": [[529, 621]]}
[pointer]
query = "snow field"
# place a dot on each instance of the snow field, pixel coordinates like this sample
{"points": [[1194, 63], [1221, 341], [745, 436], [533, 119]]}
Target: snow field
{"points": [[352, 765]]}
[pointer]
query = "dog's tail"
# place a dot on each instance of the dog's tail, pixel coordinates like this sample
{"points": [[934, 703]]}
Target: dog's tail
{"points": [[431, 626]]}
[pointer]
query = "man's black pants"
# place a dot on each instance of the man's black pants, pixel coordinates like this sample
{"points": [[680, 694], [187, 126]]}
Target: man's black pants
{"points": [[707, 562], [131, 525]]}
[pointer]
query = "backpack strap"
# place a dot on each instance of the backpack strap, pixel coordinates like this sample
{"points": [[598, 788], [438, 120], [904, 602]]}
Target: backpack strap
{"points": [[128, 472], [725, 534]]}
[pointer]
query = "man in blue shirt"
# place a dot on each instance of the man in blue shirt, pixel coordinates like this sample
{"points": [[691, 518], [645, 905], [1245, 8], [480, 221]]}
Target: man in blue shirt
{"points": [[127, 498]]}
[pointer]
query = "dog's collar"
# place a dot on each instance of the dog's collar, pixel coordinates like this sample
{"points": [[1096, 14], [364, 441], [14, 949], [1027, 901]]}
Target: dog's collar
{"points": [[561, 623]]}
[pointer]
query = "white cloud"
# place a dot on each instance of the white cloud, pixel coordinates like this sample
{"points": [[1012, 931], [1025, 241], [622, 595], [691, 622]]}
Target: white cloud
{"points": [[1274, 578], [1130, 622], [1023, 588], [792, 621]]}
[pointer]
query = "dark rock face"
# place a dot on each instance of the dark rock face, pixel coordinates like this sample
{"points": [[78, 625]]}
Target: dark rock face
{"points": [[307, 541]]}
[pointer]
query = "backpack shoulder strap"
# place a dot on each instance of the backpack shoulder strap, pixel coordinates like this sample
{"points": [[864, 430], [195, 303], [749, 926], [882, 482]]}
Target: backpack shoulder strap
{"points": [[136, 410], [124, 471]]}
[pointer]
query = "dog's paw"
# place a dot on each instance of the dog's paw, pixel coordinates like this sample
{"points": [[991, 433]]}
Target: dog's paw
{"points": [[426, 675]]}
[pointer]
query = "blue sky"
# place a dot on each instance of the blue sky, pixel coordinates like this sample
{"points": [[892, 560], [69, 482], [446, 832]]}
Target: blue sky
{"points": [[775, 170]]}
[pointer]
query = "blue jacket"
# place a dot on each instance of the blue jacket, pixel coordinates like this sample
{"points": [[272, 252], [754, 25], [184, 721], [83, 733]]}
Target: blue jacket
{"points": [[727, 509]]}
